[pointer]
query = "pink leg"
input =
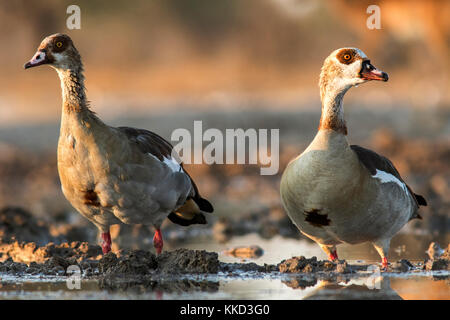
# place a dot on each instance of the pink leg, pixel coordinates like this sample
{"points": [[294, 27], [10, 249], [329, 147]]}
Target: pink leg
{"points": [[333, 255], [384, 263], [158, 241], [106, 245]]}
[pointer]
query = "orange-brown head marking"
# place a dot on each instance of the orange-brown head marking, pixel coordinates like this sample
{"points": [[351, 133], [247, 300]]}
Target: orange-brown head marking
{"points": [[347, 56]]}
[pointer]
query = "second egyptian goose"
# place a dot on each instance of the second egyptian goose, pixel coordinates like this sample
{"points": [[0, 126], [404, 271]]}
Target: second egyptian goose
{"points": [[115, 175], [339, 193]]}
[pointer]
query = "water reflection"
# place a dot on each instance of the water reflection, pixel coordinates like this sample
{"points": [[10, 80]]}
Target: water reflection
{"points": [[434, 285], [360, 289]]}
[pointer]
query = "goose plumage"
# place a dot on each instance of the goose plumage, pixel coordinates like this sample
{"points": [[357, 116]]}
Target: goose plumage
{"points": [[335, 192], [115, 175]]}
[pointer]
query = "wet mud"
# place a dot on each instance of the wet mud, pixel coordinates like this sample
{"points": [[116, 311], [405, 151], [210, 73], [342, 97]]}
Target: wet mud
{"points": [[29, 259]]}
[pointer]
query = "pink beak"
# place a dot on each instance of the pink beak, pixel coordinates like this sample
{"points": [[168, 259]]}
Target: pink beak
{"points": [[38, 59]]}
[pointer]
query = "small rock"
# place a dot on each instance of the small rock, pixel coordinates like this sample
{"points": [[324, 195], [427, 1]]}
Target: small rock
{"points": [[297, 265]]}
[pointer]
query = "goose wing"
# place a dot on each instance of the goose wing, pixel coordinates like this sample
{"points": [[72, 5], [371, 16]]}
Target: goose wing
{"points": [[377, 164], [150, 142]]}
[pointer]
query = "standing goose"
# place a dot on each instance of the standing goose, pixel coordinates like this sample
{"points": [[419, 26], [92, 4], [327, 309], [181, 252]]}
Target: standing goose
{"points": [[340, 193], [112, 175]]}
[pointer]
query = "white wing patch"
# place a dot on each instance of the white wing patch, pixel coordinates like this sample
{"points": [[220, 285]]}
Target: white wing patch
{"points": [[170, 162], [173, 164], [385, 177]]}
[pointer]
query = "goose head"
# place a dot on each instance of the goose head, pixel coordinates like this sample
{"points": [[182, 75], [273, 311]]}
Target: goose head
{"points": [[57, 51], [345, 68]]}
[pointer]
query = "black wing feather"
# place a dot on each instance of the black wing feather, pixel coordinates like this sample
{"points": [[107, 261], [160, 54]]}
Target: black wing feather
{"points": [[198, 219], [149, 142]]}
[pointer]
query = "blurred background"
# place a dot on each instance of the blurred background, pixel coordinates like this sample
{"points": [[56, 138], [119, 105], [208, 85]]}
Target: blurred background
{"points": [[162, 64]]}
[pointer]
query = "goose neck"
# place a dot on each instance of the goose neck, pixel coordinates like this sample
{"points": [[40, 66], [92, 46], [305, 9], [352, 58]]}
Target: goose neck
{"points": [[333, 111], [73, 91]]}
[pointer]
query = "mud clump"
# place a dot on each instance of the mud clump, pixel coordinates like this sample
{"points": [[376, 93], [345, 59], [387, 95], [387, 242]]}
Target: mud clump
{"points": [[136, 262], [139, 262], [296, 265], [142, 271], [9, 266], [188, 261], [304, 265], [28, 258], [30, 252], [53, 257]]}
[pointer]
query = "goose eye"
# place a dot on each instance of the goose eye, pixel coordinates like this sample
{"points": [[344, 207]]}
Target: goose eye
{"points": [[59, 44]]}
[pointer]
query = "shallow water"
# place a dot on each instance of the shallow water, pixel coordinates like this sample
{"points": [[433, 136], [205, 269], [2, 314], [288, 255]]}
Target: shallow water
{"points": [[409, 286], [416, 284]]}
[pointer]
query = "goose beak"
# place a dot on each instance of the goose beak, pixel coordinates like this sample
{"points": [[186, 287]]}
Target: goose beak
{"points": [[369, 72], [38, 59]]}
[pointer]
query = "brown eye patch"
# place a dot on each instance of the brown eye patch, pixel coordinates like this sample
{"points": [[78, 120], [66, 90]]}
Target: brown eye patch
{"points": [[346, 56], [59, 44]]}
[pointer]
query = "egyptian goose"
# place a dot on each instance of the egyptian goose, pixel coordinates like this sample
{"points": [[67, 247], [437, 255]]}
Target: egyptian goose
{"points": [[113, 175], [340, 193]]}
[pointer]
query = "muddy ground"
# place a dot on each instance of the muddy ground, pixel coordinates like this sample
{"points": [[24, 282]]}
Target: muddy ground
{"points": [[168, 271], [179, 270], [41, 234]]}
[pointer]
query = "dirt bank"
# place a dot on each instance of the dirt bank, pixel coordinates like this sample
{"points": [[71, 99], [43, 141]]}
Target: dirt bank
{"points": [[51, 259]]}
